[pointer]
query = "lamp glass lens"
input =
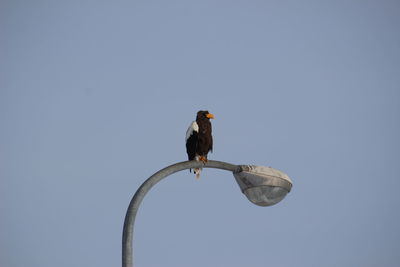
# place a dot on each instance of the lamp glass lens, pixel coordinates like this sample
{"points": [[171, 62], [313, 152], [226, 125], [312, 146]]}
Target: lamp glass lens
{"points": [[265, 195]]}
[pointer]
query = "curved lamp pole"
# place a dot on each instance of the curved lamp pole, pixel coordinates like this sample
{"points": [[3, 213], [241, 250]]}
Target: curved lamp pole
{"points": [[264, 186]]}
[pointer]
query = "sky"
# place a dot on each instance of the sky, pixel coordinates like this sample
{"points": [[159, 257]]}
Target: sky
{"points": [[96, 96]]}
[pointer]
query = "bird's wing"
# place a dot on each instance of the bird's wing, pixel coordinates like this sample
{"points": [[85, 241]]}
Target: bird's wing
{"points": [[192, 128], [191, 140]]}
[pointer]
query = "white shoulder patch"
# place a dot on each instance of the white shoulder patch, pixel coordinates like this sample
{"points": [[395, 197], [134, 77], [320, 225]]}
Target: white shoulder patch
{"points": [[192, 127]]}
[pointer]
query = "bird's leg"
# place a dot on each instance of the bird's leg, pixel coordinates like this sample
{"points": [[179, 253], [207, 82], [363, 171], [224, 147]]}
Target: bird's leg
{"points": [[203, 159]]}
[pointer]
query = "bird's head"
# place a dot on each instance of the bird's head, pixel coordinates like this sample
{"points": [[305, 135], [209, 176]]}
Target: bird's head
{"points": [[204, 114]]}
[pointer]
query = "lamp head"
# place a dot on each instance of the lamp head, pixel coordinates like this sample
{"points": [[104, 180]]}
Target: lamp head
{"points": [[264, 186]]}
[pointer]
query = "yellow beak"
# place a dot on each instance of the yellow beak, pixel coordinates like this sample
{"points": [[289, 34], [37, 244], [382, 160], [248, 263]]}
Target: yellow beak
{"points": [[210, 116]]}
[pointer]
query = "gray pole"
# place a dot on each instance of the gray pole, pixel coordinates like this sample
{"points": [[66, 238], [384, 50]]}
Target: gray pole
{"points": [[127, 235]]}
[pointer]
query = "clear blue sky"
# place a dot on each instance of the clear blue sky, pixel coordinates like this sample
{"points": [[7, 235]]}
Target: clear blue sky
{"points": [[96, 96]]}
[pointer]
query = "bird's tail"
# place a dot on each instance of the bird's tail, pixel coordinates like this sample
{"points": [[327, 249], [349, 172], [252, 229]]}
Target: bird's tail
{"points": [[197, 171]]}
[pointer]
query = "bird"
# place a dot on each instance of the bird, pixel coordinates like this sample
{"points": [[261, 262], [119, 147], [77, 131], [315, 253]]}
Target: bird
{"points": [[199, 140]]}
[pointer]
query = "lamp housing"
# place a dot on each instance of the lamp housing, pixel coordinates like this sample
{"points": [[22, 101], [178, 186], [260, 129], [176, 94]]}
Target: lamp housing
{"points": [[263, 186]]}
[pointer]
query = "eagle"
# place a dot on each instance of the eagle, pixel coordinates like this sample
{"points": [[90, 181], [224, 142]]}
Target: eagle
{"points": [[199, 140]]}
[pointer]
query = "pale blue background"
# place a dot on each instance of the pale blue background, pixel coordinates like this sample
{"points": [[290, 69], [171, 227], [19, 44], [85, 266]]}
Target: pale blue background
{"points": [[96, 96]]}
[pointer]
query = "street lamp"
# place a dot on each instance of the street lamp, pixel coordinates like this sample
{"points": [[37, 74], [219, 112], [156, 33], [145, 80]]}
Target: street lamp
{"points": [[263, 186]]}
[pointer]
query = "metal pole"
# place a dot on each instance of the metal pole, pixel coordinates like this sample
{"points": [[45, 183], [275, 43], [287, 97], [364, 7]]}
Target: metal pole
{"points": [[127, 235]]}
